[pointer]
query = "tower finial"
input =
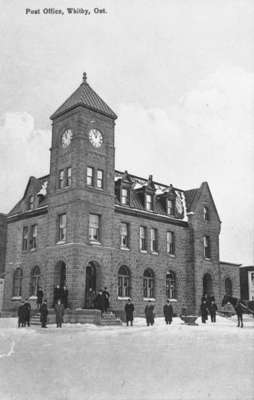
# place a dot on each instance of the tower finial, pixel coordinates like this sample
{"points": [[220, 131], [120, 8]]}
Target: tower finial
{"points": [[84, 77]]}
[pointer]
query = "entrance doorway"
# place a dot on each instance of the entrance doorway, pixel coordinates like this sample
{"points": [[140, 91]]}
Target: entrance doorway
{"points": [[208, 285], [60, 274], [90, 282]]}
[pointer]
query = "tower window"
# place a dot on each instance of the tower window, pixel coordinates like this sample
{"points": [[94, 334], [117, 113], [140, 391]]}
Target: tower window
{"points": [[68, 176], [61, 228], [124, 234], [170, 207], [90, 176], [142, 238], [154, 240], [61, 179], [171, 243], [207, 247], [25, 238], [100, 179], [33, 241], [94, 227], [124, 196], [149, 203], [206, 214]]}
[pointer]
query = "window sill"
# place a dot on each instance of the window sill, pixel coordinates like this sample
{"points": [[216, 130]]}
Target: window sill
{"points": [[173, 300], [16, 298], [155, 253], [94, 243], [32, 297], [33, 249], [143, 251], [125, 248], [149, 299], [61, 242], [171, 255], [208, 259], [123, 298]]}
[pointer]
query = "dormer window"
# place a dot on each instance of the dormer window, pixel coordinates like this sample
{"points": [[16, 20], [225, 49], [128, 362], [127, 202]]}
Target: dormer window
{"points": [[124, 196], [31, 202], [206, 214], [148, 202], [170, 207]]}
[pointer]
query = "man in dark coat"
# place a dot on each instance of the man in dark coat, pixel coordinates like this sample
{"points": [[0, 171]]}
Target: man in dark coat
{"points": [[44, 314], [57, 294], [64, 296], [129, 310], [149, 313], [204, 311], [106, 298], [90, 300], [21, 315], [100, 302], [168, 312], [39, 297], [59, 310], [213, 309], [27, 312]]}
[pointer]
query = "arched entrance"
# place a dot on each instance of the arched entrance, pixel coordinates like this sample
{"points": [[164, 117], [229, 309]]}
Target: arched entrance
{"points": [[91, 275], [60, 274], [207, 285]]}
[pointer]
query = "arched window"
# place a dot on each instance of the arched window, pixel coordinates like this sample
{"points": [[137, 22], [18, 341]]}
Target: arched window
{"points": [[17, 282], [228, 286], [148, 283], [206, 214], [123, 282], [171, 285], [35, 280]]}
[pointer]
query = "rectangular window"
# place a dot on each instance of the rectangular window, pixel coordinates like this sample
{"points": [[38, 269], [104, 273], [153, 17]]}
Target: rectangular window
{"points": [[170, 243], [124, 196], [100, 179], [207, 247], [124, 235], [94, 227], [25, 238], [154, 240], [61, 179], [142, 238], [31, 202], [68, 176], [33, 240], [90, 176], [61, 228], [170, 207], [149, 204]]}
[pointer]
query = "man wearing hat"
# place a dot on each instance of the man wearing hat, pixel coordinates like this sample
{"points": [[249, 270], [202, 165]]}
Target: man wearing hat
{"points": [[168, 312], [129, 310]]}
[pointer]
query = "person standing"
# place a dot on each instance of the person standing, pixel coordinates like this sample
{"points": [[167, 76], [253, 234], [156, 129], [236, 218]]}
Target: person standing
{"points": [[44, 314], [27, 312], [21, 315], [213, 309], [100, 302], [64, 296], [204, 311], [59, 310], [129, 310], [90, 301], [168, 312], [106, 298], [149, 313], [39, 297]]}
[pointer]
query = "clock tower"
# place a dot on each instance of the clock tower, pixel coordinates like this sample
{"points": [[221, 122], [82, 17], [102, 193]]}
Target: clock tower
{"points": [[81, 185]]}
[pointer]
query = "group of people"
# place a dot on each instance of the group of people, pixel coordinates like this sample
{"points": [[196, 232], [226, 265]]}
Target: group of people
{"points": [[149, 312], [24, 314], [99, 301], [208, 306]]}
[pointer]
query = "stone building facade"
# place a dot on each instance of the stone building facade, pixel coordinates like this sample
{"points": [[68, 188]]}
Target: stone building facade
{"points": [[87, 225]]}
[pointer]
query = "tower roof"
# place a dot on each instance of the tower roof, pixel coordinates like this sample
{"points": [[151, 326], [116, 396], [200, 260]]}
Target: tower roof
{"points": [[85, 96]]}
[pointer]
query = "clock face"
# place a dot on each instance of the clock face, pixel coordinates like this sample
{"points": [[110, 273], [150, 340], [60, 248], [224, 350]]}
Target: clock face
{"points": [[66, 138], [95, 138]]}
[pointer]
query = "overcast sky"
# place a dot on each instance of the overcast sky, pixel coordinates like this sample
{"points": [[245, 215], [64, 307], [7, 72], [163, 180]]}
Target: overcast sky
{"points": [[179, 74]]}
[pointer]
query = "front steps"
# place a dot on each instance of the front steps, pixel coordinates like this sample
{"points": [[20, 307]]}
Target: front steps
{"points": [[81, 316]]}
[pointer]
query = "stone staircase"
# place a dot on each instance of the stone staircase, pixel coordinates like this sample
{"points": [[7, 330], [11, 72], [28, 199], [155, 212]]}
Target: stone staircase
{"points": [[108, 319]]}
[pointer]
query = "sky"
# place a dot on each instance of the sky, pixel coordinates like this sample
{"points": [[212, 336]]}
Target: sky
{"points": [[179, 75]]}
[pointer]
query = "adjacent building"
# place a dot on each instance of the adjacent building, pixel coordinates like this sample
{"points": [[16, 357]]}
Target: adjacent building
{"points": [[88, 225]]}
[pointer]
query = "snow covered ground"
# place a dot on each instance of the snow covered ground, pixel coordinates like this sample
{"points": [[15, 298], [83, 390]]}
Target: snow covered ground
{"points": [[212, 361]]}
